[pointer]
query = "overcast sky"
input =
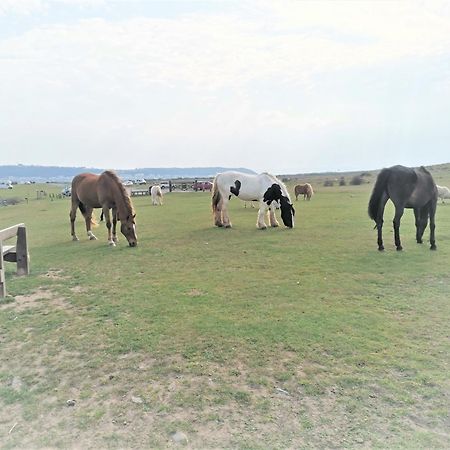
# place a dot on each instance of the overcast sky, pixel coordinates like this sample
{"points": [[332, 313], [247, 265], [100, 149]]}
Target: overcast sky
{"points": [[277, 86]]}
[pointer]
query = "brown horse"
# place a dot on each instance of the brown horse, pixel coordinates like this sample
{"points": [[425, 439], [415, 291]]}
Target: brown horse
{"points": [[305, 189], [104, 191]]}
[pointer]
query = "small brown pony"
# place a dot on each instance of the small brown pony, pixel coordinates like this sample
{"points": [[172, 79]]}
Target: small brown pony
{"points": [[305, 189], [104, 191]]}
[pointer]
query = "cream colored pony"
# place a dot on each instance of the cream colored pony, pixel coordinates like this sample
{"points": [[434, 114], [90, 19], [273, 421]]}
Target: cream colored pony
{"points": [[443, 192], [157, 195]]}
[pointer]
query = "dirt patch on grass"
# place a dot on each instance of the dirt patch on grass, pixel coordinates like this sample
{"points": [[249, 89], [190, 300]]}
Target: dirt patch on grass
{"points": [[55, 274], [63, 398], [195, 293], [41, 298]]}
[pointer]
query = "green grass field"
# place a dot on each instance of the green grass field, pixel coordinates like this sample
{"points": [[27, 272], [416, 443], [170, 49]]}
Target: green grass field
{"points": [[241, 338]]}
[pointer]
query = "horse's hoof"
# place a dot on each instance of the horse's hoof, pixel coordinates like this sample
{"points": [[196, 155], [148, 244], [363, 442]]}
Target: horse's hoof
{"points": [[275, 225], [228, 226], [399, 248], [92, 238], [433, 247], [111, 243], [262, 228], [381, 248], [218, 224], [419, 241], [75, 239]]}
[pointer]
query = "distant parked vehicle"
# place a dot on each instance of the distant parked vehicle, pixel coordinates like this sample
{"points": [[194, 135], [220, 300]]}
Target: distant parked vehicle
{"points": [[202, 186], [6, 185], [128, 183], [140, 181]]}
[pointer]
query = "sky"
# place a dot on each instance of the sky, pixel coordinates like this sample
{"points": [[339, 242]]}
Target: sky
{"points": [[279, 86]]}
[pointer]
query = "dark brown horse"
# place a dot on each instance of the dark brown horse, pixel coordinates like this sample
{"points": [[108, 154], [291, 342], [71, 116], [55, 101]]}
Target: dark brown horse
{"points": [[407, 188], [104, 191], [305, 189]]}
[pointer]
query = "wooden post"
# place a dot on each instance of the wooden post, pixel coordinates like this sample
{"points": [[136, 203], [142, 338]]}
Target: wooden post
{"points": [[14, 253], [2, 273], [23, 258]]}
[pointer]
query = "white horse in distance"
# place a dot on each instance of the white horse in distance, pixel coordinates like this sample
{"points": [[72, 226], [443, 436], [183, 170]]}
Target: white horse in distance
{"points": [[443, 192], [268, 190], [157, 195]]}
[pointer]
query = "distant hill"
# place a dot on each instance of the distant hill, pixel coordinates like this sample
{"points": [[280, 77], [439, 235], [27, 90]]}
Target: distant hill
{"points": [[22, 173]]}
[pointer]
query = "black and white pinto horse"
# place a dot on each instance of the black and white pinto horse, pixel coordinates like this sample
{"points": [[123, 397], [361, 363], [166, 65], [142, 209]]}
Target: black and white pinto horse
{"points": [[265, 188], [407, 188]]}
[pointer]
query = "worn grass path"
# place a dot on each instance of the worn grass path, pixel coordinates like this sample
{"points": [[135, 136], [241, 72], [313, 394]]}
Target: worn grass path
{"points": [[236, 338]]}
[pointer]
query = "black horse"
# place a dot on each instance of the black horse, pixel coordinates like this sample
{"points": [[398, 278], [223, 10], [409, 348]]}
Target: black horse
{"points": [[407, 188]]}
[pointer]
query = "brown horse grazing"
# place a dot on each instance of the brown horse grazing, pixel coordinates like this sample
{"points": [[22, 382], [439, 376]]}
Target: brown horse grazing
{"points": [[104, 191], [305, 189]]}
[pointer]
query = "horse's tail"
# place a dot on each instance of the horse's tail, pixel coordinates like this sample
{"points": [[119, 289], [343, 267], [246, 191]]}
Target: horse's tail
{"points": [[216, 197], [83, 211], [378, 190]]}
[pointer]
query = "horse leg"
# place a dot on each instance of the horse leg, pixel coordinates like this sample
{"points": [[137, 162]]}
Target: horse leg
{"points": [[72, 215], [419, 231], [225, 217], [273, 220], [218, 222], [421, 222], [88, 220], [114, 220], [432, 211], [379, 221], [398, 215], [261, 213], [107, 216]]}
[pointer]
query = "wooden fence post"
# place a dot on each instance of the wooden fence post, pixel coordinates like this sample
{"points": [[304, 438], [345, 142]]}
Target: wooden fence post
{"points": [[2, 273], [23, 258]]}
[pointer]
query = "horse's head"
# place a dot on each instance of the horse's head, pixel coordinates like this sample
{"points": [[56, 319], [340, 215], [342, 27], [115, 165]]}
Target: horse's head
{"points": [[274, 193], [128, 229], [287, 212]]}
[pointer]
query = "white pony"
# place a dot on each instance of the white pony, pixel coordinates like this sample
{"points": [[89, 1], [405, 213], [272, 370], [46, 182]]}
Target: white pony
{"points": [[157, 196], [265, 188], [443, 192]]}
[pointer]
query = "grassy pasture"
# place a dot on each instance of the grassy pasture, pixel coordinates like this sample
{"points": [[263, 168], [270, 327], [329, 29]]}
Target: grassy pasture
{"points": [[237, 338]]}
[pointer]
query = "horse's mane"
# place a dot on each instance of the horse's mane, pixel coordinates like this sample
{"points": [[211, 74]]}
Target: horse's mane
{"points": [[278, 181], [111, 174], [424, 169]]}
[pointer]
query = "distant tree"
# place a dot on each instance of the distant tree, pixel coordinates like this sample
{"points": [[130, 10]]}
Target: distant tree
{"points": [[342, 182], [328, 183]]}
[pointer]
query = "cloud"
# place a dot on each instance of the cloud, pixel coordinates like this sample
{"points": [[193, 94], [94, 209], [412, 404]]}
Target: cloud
{"points": [[27, 7], [212, 51], [215, 51], [20, 6], [221, 78]]}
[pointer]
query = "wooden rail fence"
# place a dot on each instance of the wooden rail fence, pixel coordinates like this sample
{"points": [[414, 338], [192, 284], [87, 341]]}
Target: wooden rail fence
{"points": [[17, 253]]}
